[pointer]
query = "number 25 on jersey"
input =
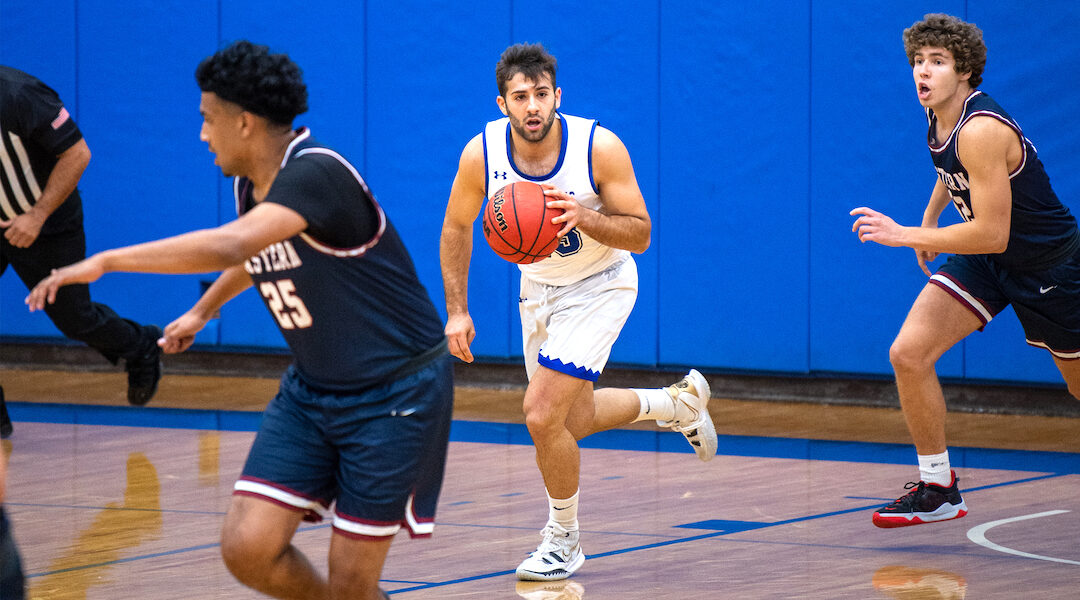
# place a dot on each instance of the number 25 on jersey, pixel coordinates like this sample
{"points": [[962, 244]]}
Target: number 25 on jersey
{"points": [[288, 308]]}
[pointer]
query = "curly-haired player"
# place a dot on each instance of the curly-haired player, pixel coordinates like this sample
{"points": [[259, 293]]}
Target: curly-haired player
{"points": [[1017, 244], [362, 417]]}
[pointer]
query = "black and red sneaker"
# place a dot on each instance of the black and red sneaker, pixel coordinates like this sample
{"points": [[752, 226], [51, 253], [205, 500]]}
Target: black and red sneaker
{"points": [[925, 503]]}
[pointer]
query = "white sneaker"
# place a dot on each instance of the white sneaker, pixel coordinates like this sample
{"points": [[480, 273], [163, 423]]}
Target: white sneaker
{"points": [[550, 590], [693, 393], [557, 556]]}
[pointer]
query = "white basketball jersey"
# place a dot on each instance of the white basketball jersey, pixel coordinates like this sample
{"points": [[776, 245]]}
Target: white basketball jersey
{"points": [[578, 255]]}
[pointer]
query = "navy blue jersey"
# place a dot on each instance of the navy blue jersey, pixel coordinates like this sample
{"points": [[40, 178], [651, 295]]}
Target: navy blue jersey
{"points": [[35, 129], [344, 292], [1043, 231]]}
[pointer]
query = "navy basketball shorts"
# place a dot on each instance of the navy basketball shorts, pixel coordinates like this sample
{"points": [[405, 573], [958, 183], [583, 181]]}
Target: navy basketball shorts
{"points": [[378, 456], [1046, 302]]}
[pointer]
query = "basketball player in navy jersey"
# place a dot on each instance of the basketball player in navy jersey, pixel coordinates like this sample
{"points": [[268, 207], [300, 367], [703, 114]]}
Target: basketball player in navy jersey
{"points": [[574, 303], [362, 416], [1017, 244]]}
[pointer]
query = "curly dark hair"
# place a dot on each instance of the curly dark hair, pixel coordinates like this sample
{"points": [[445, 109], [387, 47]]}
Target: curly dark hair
{"points": [[532, 60], [963, 40], [268, 85]]}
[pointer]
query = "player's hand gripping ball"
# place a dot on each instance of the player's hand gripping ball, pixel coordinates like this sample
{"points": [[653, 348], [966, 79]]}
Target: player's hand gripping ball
{"points": [[517, 223]]}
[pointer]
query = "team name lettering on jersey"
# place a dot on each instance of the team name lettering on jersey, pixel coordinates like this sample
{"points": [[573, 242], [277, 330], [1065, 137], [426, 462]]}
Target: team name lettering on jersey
{"points": [[954, 181], [279, 256]]}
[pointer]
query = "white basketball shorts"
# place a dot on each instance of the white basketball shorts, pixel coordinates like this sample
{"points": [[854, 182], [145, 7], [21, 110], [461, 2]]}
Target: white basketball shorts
{"points": [[571, 328]]}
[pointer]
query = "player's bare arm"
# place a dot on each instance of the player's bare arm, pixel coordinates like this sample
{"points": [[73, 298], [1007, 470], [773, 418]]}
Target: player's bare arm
{"points": [[180, 334], [455, 246], [939, 199], [984, 146], [624, 221], [195, 252], [23, 230]]}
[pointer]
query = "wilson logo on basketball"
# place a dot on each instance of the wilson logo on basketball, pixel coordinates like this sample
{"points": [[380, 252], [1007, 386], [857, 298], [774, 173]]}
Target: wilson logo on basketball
{"points": [[517, 223], [497, 205]]}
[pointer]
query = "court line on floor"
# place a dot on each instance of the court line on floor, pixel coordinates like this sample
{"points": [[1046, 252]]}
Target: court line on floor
{"points": [[792, 448], [978, 535], [738, 527], [491, 432]]}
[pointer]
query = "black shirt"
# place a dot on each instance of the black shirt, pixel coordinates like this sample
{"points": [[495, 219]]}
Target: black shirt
{"points": [[35, 129], [344, 292]]}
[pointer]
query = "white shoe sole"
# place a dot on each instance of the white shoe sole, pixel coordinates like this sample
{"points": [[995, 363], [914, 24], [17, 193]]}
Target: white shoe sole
{"points": [[563, 573]]}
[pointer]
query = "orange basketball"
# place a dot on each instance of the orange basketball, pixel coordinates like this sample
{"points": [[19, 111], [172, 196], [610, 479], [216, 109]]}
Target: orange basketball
{"points": [[517, 223]]}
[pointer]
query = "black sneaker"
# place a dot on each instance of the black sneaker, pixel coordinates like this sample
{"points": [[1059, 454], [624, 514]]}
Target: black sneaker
{"points": [[926, 503], [5, 421], [144, 372]]}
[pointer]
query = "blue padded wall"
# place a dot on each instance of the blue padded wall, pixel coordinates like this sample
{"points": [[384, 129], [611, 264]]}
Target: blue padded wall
{"points": [[868, 148], [753, 129], [139, 113], [40, 39], [430, 90], [732, 240]]}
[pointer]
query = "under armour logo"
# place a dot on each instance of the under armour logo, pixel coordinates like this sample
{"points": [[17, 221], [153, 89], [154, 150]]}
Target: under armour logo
{"points": [[499, 174]]}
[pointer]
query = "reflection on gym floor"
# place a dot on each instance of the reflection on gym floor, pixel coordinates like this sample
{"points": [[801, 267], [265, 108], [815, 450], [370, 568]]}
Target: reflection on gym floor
{"points": [[118, 503]]}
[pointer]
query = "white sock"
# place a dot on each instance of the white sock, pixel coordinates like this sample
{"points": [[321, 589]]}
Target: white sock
{"points": [[656, 405], [564, 511], [934, 468]]}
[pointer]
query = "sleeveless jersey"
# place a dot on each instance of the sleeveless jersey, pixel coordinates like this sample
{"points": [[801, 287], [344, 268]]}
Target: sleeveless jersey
{"points": [[356, 317], [1043, 231], [578, 255]]}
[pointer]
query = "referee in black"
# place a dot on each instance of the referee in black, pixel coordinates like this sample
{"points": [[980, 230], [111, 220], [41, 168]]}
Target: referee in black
{"points": [[42, 156]]}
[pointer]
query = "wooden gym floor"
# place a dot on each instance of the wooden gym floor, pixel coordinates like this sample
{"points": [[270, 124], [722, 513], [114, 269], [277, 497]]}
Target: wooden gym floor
{"points": [[110, 501]]}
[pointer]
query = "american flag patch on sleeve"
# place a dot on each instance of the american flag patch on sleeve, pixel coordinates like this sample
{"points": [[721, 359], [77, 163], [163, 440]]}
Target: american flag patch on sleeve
{"points": [[61, 118]]}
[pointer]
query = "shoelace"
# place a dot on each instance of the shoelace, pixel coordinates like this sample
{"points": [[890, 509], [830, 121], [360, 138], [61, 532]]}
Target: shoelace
{"points": [[908, 498], [548, 544]]}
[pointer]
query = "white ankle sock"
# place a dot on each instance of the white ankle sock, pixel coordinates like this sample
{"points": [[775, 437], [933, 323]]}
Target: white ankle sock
{"points": [[656, 405], [934, 468], [564, 511]]}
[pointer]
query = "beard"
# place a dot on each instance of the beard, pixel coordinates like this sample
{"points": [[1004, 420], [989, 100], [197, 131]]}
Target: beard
{"points": [[530, 136]]}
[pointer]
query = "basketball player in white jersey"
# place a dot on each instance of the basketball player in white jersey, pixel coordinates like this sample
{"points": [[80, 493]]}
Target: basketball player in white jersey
{"points": [[574, 303]]}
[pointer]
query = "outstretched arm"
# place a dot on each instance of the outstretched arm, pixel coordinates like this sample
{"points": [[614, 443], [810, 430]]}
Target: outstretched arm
{"points": [[455, 247], [984, 146], [195, 252]]}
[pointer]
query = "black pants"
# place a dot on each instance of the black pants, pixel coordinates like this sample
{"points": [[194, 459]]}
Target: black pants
{"points": [[12, 581], [73, 313]]}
